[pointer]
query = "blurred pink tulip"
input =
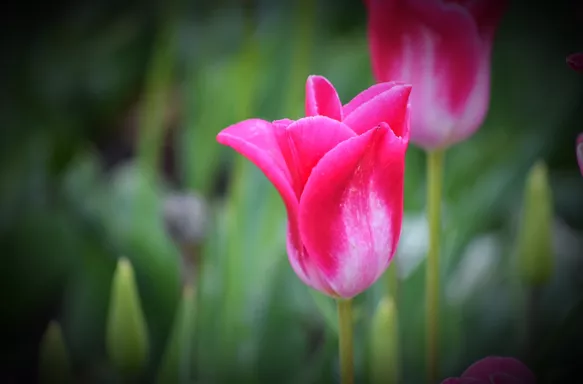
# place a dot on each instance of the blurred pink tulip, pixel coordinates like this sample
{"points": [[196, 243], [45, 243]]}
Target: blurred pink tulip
{"points": [[443, 48], [575, 61], [340, 174], [495, 370]]}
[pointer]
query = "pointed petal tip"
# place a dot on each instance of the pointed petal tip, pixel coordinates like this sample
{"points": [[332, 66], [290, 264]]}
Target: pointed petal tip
{"points": [[406, 88], [314, 78], [322, 98], [383, 102]]}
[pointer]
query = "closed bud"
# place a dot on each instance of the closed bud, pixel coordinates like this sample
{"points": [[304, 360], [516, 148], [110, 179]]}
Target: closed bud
{"points": [[127, 337], [535, 246], [54, 358], [384, 344]]}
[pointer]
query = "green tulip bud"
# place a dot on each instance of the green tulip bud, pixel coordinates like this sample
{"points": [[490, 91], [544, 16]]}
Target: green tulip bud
{"points": [[54, 359], [384, 357], [127, 336], [535, 246]]}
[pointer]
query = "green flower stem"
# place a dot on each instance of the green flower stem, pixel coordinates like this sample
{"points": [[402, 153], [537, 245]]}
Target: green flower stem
{"points": [[345, 341], [434, 187], [393, 280]]}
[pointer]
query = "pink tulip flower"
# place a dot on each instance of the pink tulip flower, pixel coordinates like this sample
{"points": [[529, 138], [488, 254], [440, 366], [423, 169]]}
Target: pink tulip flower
{"points": [[579, 150], [340, 174], [443, 48], [575, 61], [495, 370]]}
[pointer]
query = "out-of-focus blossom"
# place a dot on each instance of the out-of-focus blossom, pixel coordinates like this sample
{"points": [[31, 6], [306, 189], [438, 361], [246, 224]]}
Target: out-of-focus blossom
{"points": [[495, 370], [443, 48], [575, 61], [186, 217], [340, 174]]}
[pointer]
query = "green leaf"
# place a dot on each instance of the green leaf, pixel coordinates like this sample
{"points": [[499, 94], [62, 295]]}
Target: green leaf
{"points": [[178, 357]]}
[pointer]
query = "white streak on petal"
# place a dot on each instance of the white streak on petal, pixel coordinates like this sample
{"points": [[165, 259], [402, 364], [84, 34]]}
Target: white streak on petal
{"points": [[368, 244]]}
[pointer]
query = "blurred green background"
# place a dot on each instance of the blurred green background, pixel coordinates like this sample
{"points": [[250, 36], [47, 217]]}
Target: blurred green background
{"points": [[109, 117]]}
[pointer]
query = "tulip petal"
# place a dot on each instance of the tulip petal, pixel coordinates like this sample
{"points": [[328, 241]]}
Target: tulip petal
{"points": [[387, 107], [436, 47], [306, 270], [486, 13], [351, 210], [504, 378], [366, 95], [282, 123], [580, 152], [322, 98], [305, 141], [255, 139], [485, 368]]}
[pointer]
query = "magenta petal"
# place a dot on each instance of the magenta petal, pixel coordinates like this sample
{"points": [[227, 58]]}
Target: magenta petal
{"points": [[387, 107], [322, 98], [504, 378], [255, 139], [580, 152], [282, 123], [300, 262], [366, 95], [351, 210], [305, 141], [487, 14], [575, 61], [485, 368]]}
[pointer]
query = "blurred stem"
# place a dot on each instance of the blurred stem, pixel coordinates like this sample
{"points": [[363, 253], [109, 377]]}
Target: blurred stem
{"points": [[434, 189], [191, 285], [393, 280], [345, 341]]}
